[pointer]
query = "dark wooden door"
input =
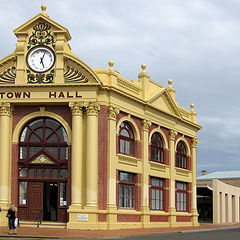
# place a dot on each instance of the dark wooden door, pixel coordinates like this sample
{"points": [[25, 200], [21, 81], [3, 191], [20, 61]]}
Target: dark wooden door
{"points": [[35, 201]]}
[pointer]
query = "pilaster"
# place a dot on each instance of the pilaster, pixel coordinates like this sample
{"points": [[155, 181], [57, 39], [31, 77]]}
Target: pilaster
{"points": [[172, 204], [92, 155], [76, 164], [112, 167], [145, 173], [77, 159], [194, 183], [5, 160]]}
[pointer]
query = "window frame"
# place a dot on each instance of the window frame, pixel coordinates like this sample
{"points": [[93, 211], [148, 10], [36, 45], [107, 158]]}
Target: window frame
{"points": [[181, 156], [182, 197], [159, 149], [131, 187], [159, 188], [54, 150], [128, 142]]}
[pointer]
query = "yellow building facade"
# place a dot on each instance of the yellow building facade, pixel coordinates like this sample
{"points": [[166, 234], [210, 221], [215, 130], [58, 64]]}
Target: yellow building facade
{"points": [[87, 147]]}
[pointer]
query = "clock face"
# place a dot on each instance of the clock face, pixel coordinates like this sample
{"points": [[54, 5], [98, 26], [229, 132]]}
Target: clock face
{"points": [[40, 59]]}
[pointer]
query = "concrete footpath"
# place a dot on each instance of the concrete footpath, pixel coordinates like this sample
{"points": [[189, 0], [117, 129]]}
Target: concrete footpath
{"points": [[34, 232]]}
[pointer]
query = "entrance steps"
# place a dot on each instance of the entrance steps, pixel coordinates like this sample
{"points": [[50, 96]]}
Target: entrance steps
{"points": [[43, 224]]}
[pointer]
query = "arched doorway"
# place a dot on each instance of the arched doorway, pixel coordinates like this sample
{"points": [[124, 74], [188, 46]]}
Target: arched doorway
{"points": [[43, 171]]}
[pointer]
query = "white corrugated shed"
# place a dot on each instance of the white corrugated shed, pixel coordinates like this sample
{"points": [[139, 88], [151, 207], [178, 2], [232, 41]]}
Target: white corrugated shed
{"points": [[220, 175]]}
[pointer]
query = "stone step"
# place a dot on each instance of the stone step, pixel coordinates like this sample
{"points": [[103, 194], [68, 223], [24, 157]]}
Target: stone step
{"points": [[43, 224]]}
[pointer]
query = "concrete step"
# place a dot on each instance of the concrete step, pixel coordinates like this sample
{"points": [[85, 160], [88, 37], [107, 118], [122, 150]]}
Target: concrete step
{"points": [[43, 224]]}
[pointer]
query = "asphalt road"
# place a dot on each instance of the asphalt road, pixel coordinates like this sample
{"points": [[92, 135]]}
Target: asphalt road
{"points": [[224, 234]]}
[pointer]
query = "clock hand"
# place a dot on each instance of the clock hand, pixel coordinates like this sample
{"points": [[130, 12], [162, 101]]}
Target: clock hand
{"points": [[41, 62], [43, 54], [41, 59]]}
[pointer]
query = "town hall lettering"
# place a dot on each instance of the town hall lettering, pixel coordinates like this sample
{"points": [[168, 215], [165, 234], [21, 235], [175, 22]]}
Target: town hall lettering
{"points": [[64, 95], [14, 95]]}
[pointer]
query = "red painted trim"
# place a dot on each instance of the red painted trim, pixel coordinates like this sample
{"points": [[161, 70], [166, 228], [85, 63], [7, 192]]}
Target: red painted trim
{"points": [[183, 219], [128, 218], [154, 218], [102, 157]]}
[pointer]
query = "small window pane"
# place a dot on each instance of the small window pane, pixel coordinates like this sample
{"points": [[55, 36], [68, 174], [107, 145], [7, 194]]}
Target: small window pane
{"points": [[52, 123], [153, 204], [40, 132], [23, 193], [64, 153], [63, 194], [37, 123], [63, 135], [157, 194], [34, 138], [157, 204], [125, 133], [34, 150], [180, 185], [39, 172], [52, 150], [48, 131], [155, 181], [127, 177], [47, 173], [122, 146], [153, 194], [54, 173], [23, 152], [23, 172], [31, 172], [127, 146], [25, 134], [53, 138], [63, 173]]}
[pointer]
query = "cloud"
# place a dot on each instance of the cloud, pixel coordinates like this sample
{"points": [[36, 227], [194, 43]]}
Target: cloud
{"points": [[196, 43]]}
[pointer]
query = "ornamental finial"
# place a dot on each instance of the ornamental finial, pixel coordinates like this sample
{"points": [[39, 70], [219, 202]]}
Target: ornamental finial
{"points": [[111, 63], [143, 66], [43, 7], [192, 107], [170, 81]]}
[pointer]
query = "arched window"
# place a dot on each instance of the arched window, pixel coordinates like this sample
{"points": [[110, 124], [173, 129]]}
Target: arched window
{"points": [[43, 136], [157, 152], [181, 155], [126, 139]]}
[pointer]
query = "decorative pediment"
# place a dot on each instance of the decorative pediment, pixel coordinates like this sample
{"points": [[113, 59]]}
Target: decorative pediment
{"points": [[164, 102], [8, 69], [78, 72], [42, 159], [42, 17]]}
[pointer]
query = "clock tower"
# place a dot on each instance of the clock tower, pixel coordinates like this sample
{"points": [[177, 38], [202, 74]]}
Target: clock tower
{"points": [[40, 51]]}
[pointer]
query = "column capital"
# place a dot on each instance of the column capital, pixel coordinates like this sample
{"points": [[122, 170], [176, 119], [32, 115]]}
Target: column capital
{"points": [[194, 142], [6, 109], [112, 112], [92, 108], [76, 108], [145, 125], [172, 134]]}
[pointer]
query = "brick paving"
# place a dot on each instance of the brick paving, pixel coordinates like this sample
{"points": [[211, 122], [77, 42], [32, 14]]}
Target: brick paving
{"points": [[67, 233]]}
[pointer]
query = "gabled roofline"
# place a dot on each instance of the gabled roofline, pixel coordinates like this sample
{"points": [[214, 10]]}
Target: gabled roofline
{"points": [[172, 103], [20, 31]]}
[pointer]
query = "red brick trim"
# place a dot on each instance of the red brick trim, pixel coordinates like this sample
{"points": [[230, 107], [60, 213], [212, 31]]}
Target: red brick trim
{"points": [[128, 218], [154, 218], [102, 157], [183, 219], [102, 217]]}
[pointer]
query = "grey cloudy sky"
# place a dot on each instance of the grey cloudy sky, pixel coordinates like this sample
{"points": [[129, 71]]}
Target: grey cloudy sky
{"points": [[194, 42]]}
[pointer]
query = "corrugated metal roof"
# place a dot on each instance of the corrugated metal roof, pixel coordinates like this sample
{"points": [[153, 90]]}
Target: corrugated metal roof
{"points": [[220, 175]]}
